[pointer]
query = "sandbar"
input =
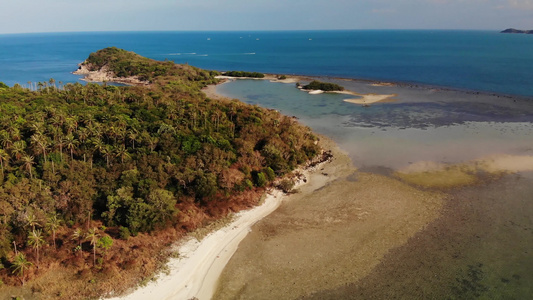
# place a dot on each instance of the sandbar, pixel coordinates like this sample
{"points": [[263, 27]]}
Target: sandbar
{"points": [[367, 99]]}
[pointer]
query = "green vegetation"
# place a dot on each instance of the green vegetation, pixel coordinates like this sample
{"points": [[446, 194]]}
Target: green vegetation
{"points": [[124, 63], [324, 86], [156, 161], [244, 74]]}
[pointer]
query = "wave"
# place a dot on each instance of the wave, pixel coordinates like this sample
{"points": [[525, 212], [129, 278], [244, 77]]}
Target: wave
{"points": [[191, 53], [251, 53]]}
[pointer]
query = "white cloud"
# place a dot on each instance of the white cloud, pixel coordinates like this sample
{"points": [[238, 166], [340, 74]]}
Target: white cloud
{"points": [[521, 4]]}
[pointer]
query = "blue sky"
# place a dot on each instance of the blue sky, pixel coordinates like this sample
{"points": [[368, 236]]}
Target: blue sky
{"points": [[19, 16]]}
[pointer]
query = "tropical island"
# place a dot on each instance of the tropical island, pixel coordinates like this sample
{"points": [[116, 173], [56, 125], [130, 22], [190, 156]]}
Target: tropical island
{"points": [[513, 30], [323, 86], [97, 180]]}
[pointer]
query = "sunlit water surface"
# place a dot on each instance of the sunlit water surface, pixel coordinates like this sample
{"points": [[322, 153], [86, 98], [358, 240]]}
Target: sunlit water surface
{"points": [[482, 246]]}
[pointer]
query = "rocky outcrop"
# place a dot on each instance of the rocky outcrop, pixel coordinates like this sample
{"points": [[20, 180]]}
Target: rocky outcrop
{"points": [[512, 30], [105, 75]]}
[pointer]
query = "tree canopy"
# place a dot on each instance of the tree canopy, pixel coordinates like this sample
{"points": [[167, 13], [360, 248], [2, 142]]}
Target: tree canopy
{"points": [[324, 86], [130, 157]]}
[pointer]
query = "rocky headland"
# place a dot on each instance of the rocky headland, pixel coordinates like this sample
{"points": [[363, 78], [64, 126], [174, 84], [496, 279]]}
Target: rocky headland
{"points": [[103, 74]]}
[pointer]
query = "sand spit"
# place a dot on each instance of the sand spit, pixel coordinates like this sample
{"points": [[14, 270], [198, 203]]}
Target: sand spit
{"points": [[194, 274], [346, 227], [367, 99]]}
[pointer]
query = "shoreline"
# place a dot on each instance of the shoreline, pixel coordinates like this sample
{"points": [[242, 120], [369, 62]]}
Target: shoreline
{"points": [[195, 273], [99, 77], [370, 98], [364, 99]]}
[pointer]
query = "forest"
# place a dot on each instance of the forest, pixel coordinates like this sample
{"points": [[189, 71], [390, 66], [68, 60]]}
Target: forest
{"points": [[97, 179], [324, 86], [244, 74]]}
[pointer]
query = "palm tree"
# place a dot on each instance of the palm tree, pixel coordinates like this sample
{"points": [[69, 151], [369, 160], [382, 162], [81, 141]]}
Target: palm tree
{"points": [[41, 141], [27, 162], [122, 152], [92, 237], [31, 220], [152, 141], [4, 157], [36, 241], [78, 236], [5, 139], [20, 264], [133, 136], [70, 144], [52, 82], [17, 149], [60, 143], [71, 124], [53, 224]]}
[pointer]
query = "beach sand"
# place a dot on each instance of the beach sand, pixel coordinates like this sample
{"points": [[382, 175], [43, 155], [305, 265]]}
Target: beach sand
{"points": [[328, 236], [332, 238], [195, 272], [367, 99], [431, 227]]}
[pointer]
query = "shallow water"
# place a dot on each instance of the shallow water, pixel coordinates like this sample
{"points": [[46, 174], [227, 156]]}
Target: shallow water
{"points": [[423, 124], [481, 245]]}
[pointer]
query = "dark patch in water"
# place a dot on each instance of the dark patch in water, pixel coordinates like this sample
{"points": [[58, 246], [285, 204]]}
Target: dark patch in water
{"points": [[470, 284], [353, 177], [471, 251], [424, 115], [380, 170]]}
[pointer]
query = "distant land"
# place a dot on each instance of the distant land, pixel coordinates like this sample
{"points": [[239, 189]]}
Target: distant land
{"points": [[512, 30]]}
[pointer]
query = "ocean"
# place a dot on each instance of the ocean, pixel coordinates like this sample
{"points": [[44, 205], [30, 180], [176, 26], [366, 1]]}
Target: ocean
{"points": [[479, 247], [472, 60], [462, 99]]}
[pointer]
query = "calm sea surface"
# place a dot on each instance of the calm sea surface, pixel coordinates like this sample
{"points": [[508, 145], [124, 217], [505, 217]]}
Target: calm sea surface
{"points": [[480, 247], [475, 60], [489, 255]]}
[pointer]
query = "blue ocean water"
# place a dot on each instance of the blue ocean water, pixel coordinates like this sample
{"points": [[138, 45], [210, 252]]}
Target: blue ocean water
{"points": [[473, 60]]}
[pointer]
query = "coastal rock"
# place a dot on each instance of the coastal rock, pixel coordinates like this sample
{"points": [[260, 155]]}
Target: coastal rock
{"points": [[105, 75], [513, 30]]}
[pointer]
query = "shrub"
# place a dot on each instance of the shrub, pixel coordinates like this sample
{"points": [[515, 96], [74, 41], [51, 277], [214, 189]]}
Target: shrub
{"points": [[245, 74], [324, 86], [269, 173], [124, 232], [260, 179], [286, 185]]}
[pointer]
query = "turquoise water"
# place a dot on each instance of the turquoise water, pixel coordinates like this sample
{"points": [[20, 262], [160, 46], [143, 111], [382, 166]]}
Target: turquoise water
{"points": [[474, 60], [480, 246], [483, 243], [423, 124]]}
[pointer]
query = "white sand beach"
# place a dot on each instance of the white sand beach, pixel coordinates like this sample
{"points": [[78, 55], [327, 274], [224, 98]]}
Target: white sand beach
{"points": [[195, 273], [370, 98]]}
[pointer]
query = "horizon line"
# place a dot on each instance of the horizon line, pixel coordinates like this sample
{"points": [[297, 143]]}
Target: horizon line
{"points": [[258, 30]]}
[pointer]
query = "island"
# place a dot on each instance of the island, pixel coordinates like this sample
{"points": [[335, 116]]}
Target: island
{"points": [[513, 30], [98, 181]]}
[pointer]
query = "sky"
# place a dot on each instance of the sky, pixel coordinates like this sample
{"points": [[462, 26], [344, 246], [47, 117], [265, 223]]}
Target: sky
{"points": [[24, 16]]}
